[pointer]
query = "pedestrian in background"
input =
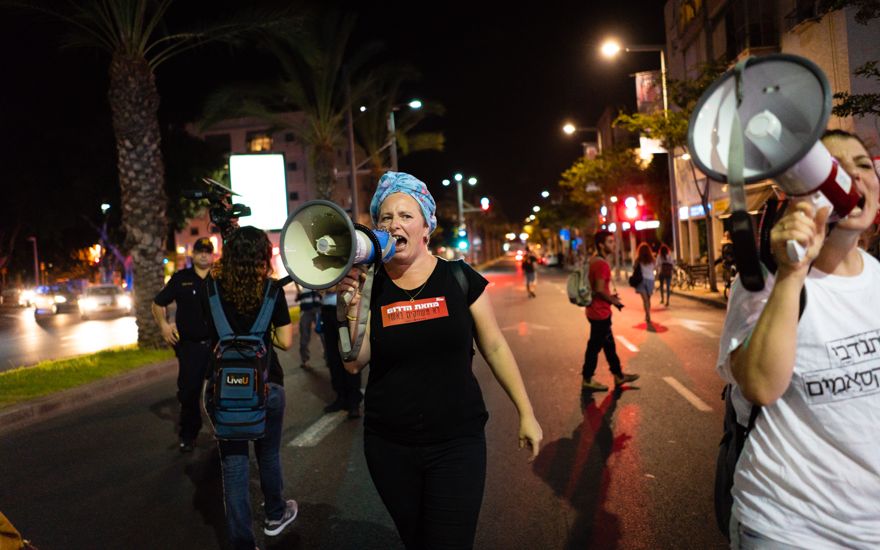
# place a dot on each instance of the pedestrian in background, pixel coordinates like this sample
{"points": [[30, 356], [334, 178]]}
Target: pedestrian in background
{"points": [[242, 275], [809, 472], [599, 316], [346, 385], [645, 289], [666, 268], [528, 264], [309, 314], [190, 335], [424, 420]]}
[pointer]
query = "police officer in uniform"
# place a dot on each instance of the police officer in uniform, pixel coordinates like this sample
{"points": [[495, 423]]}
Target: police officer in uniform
{"points": [[190, 335]]}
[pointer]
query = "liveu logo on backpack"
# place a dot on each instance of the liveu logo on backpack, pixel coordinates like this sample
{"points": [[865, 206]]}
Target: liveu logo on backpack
{"points": [[238, 386]]}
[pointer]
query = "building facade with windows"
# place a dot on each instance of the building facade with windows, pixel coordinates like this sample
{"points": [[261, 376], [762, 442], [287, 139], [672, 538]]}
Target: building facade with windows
{"points": [[252, 135], [699, 31]]}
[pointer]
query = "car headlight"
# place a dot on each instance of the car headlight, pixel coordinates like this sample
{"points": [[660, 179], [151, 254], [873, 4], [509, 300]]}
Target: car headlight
{"points": [[87, 304], [59, 299], [26, 296], [124, 302]]}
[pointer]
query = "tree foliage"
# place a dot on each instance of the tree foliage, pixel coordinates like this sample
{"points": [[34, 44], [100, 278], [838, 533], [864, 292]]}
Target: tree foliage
{"points": [[614, 170]]}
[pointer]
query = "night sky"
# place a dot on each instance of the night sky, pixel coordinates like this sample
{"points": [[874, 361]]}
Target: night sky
{"points": [[508, 77]]}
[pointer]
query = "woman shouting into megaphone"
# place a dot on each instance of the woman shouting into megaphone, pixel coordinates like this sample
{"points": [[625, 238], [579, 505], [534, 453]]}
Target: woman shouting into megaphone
{"points": [[424, 414], [805, 349]]}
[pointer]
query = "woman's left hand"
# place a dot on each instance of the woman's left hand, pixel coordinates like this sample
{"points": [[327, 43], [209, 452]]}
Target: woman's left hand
{"points": [[530, 434]]}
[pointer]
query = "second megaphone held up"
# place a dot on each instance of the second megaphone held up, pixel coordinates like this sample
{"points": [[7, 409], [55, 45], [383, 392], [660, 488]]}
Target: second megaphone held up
{"points": [[320, 244], [781, 104]]}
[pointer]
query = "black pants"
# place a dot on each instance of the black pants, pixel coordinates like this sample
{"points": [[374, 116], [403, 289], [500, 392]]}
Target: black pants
{"points": [[433, 492], [600, 339], [346, 385], [193, 359]]}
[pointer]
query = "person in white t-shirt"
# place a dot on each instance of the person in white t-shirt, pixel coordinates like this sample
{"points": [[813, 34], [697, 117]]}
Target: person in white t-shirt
{"points": [[809, 473]]}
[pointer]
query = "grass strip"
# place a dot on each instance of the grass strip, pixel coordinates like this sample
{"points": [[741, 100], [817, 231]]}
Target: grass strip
{"points": [[47, 377]]}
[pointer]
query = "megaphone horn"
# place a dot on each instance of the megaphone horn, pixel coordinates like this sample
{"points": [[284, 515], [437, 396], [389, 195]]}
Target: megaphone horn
{"points": [[320, 244], [784, 106]]}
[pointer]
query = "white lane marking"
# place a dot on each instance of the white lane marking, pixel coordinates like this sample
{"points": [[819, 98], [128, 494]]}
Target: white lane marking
{"points": [[627, 344], [694, 325], [698, 403], [526, 327], [317, 431]]}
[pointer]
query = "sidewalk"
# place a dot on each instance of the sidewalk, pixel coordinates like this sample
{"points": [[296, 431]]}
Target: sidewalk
{"points": [[26, 413], [702, 294]]}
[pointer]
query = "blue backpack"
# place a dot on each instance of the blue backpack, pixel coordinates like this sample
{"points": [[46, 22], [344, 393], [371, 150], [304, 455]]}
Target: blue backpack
{"points": [[237, 389]]}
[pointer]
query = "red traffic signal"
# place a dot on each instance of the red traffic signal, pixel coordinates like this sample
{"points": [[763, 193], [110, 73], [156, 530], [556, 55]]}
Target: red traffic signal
{"points": [[484, 204]]}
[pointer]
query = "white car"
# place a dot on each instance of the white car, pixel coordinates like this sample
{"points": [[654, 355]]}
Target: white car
{"points": [[104, 299]]}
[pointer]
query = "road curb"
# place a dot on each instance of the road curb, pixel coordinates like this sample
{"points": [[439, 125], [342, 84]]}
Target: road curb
{"points": [[49, 406], [709, 300]]}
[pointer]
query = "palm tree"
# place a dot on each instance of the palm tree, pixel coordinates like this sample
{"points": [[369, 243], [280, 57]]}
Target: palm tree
{"points": [[314, 65], [371, 126], [129, 31]]}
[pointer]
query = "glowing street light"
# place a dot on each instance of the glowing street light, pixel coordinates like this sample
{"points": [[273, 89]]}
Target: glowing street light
{"points": [[545, 194], [536, 209], [610, 48]]}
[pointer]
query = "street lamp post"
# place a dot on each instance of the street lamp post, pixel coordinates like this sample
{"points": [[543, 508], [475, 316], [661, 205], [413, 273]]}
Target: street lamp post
{"points": [[570, 129], [459, 178], [392, 129], [36, 262], [610, 49]]}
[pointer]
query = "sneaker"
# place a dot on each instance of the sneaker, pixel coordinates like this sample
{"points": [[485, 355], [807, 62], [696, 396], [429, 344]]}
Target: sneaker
{"points": [[624, 378], [593, 385], [186, 446], [273, 527]]}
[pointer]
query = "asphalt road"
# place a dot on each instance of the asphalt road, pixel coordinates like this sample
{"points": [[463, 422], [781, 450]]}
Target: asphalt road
{"points": [[630, 470], [26, 340]]}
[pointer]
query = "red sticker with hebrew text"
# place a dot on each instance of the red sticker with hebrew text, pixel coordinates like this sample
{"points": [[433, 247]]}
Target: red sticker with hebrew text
{"points": [[416, 311]]}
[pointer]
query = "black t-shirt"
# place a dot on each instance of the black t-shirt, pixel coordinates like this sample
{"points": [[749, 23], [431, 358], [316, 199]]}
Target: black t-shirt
{"points": [[529, 263], [242, 323], [187, 290], [421, 387]]}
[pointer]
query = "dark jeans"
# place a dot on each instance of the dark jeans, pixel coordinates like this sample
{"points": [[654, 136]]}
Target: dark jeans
{"points": [[600, 339], [346, 385], [194, 359], [235, 467], [433, 492]]}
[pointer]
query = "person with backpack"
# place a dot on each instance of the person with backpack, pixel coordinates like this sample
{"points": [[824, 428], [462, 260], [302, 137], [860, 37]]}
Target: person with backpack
{"points": [[804, 350], [243, 285], [599, 316], [424, 416]]}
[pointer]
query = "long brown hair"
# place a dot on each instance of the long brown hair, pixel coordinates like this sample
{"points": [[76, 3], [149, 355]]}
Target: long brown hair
{"points": [[645, 254], [244, 268]]}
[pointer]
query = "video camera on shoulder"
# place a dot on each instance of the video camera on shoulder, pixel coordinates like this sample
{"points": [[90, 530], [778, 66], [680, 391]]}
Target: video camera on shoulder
{"points": [[224, 213]]}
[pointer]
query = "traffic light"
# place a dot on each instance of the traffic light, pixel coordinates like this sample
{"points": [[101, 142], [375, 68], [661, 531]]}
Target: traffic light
{"points": [[631, 210], [484, 204], [461, 241]]}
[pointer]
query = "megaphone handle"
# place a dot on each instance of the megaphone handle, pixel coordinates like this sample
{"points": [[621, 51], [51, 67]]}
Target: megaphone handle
{"points": [[795, 250], [348, 349]]}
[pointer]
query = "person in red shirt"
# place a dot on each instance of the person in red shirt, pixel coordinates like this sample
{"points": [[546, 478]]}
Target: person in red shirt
{"points": [[599, 316]]}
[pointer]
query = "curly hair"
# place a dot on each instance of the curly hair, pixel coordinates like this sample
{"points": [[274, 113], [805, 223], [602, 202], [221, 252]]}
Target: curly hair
{"points": [[244, 268], [645, 254]]}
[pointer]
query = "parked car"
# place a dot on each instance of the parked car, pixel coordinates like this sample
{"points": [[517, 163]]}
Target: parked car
{"points": [[54, 299], [104, 300]]}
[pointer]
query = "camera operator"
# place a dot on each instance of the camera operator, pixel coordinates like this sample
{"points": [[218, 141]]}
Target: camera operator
{"points": [[599, 315]]}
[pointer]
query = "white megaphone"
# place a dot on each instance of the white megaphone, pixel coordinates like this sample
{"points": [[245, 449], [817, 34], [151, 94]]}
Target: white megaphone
{"points": [[320, 244], [764, 120]]}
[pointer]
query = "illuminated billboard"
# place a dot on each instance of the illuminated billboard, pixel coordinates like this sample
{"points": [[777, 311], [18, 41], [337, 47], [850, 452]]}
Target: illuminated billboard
{"points": [[261, 180]]}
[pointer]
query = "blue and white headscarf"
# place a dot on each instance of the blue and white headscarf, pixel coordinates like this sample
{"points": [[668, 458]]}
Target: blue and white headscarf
{"points": [[400, 182]]}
